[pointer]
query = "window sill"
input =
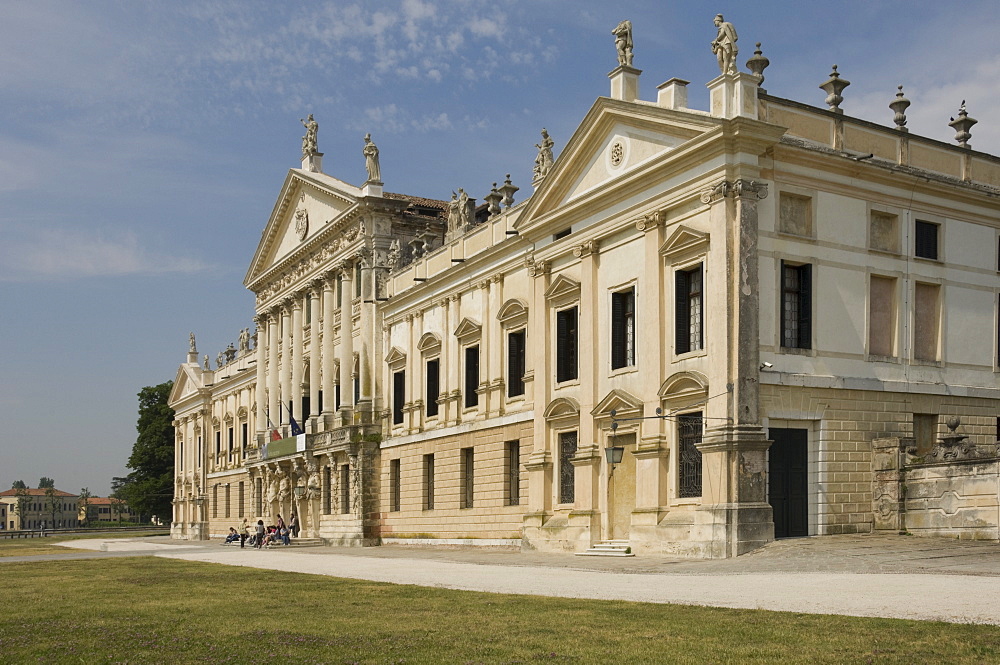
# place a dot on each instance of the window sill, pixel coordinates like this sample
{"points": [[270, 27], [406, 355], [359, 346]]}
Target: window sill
{"points": [[873, 358], [795, 351], [686, 501], [697, 353], [628, 369], [927, 363], [567, 384], [794, 236], [885, 252], [924, 259]]}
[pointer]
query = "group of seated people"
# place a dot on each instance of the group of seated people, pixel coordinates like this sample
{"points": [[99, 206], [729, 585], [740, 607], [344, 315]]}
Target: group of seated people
{"points": [[262, 536]]}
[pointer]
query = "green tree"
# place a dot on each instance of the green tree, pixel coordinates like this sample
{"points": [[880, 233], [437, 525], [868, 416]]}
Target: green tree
{"points": [[22, 497], [119, 490], [84, 505], [149, 488], [45, 483], [53, 503]]}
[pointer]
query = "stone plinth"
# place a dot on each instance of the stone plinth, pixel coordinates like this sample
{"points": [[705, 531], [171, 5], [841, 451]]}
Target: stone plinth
{"points": [[733, 95], [313, 162], [672, 94], [372, 188], [625, 83]]}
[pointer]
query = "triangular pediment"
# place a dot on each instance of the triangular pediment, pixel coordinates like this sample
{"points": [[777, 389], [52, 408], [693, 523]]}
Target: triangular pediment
{"points": [[684, 241], [619, 401], [562, 287], [396, 356], [468, 330], [616, 139], [308, 205], [187, 383]]}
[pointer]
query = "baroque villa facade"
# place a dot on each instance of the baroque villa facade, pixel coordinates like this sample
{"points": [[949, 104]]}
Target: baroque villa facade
{"points": [[740, 300]]}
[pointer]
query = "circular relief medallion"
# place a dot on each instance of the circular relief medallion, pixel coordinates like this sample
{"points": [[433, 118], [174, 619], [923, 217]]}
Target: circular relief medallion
{"points": [[617, 153]]}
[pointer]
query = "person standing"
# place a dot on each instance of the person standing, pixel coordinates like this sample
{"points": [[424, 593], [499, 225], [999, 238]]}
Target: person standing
{"points": [[293, 525], [244, 532], [260, 534]]}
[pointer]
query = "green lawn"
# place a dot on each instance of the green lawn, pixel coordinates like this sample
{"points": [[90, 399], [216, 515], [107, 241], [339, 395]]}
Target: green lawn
{"points": [[47, 545], [150, 610]]}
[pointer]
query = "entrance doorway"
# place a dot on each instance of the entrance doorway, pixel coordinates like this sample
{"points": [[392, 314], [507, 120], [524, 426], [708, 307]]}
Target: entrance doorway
{"points": [[788, 481], [621, 488]]}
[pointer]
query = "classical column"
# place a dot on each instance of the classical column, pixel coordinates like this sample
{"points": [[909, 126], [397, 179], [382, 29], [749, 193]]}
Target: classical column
{"points": [[587, 461], [346, 342], [495, 352], [260, 351], [297, 335], [539, 463], [485, 353], [454, 360], [329, 392], [273, 377], [314, 352], [734, 445], [286, 360], [365, 352]]}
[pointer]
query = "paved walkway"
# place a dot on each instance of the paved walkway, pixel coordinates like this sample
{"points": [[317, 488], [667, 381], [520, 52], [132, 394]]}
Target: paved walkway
{"points": [[871, 575]]}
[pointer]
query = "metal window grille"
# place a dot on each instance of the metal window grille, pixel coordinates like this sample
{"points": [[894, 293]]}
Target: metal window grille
{"points": [[689, 429], [567, 475]]}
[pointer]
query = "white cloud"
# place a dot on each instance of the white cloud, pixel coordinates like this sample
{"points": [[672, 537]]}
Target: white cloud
{"points": [[50, 255]]}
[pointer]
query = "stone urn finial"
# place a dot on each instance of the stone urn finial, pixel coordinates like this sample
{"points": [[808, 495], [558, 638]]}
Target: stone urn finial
{"points": [[833, 86], [507, 191], [757, 64], [899, 106], [962, 126]]}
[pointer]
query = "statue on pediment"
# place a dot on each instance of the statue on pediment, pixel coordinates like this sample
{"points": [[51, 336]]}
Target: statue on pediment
{"points": [[453, 214], [230, 353], [220, 360], [244, 341], [724, 45], [544, 159], [309, 141], [623, 42], [370, 151], [464, 209], [192, 347], [207, 362]]}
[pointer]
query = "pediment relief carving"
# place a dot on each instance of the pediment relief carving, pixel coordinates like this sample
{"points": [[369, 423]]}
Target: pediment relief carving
{"points": [[620, 401], [468, 330], [684, 242], [562, 407], [513, 313]]}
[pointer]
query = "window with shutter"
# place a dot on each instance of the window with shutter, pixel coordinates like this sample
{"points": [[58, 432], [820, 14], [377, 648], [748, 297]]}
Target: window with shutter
{"points": [[567, 476], [926, 238], [796, 306], [398, 396], [566, 345], [433, 387], [515, 363], [471, 376], [623, 329], [688, 311]]}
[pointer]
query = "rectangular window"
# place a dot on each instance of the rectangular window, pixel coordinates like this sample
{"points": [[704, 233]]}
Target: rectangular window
{"points": [[398, 396], [924, 431], [218, 442], [429, 482], [357, 389], [567, 475], [232, 440], [394, 485], [258, 504], [516, 362], [468, 473], [562, 234], [471, 376], [566, 345], [215, 500], [327, 491], [512, 476], [199, 451], [241, 498], [796, 306], [244, 437], [881, 316], [688, 434], [345, 488], [433, 387], [336, 396], [357, 280], [228, 503], [926, 240], [926, 311], [795, 215], [623, 329], [689, 314]]}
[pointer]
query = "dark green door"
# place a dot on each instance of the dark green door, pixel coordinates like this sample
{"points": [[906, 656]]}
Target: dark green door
{"points": [[788, 482]]}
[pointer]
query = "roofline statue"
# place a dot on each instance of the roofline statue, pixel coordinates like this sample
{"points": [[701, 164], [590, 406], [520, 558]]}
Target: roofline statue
{"points": [[724, 45], [623, 42], [309, 141]]}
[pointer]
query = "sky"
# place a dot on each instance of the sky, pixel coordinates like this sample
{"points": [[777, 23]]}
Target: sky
{"points": [[143, 145]]}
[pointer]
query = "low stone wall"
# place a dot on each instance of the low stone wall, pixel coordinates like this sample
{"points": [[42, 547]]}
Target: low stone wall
{"points": [[953, 491]]}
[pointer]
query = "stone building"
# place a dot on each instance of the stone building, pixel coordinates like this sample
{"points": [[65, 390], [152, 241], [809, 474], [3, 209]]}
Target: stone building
{"points": [[736, 301], [41, 509]]}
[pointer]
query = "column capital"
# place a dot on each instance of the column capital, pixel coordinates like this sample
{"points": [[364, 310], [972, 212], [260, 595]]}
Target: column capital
{"points": [[739, 188], [651, 220]]}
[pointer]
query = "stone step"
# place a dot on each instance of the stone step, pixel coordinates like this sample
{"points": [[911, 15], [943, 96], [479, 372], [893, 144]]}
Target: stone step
{"points": [[619, 548]]}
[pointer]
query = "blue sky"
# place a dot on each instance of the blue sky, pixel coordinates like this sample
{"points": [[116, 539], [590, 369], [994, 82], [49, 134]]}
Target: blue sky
{"points": [[142, 146]]}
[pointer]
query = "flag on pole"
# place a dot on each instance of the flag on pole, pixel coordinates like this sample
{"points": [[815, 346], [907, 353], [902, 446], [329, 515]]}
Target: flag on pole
{"points": [[296, 430], [274, 430]]}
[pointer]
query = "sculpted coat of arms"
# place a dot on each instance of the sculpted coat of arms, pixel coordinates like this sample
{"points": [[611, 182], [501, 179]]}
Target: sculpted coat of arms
{"points": [[301, 223]]}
